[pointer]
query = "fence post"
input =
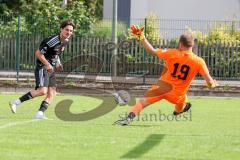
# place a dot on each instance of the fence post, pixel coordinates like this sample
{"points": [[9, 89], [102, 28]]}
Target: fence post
{"points": [[195, 48], [114, 37], [145, 53], [18, 49]]}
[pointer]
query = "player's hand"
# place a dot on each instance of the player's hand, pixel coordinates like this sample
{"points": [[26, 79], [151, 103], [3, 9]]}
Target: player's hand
{"points": [[136, 32], [49, 68], [59, 68], [213, 84], [216, 83]]}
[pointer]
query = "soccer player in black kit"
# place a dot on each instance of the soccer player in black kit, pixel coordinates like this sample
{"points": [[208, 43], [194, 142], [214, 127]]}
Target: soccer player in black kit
{"points": [[47, 63]]}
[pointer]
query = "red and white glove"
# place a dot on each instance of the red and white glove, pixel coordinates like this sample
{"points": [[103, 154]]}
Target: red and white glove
{"points": [[136, 32]]}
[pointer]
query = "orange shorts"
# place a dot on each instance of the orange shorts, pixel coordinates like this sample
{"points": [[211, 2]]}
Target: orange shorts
{"points": [[156, 94]]}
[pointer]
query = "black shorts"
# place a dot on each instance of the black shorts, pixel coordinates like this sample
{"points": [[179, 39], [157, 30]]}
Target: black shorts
{"points": [[43, 78]]}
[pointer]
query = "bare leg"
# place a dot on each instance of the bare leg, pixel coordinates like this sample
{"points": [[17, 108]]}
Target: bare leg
{"points": [[33, 93]]}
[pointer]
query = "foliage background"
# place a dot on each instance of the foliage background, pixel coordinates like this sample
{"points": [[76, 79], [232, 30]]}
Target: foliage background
{"points": [[44, 16]]}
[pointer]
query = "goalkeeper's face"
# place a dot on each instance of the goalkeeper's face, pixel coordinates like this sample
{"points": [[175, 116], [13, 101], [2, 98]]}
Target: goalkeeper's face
{"points": [[66, 32]]}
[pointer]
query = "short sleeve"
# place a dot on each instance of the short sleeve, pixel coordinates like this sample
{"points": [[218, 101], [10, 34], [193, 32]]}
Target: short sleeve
{"points": [[165, 53], [43, 47], [203, 70]]}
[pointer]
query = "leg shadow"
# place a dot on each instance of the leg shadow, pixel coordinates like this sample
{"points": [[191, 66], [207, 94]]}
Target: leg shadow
{"points": [[144, 147]]}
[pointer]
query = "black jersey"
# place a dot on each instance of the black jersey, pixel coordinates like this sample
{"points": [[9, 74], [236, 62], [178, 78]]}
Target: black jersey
{"points": [[51, 48]]}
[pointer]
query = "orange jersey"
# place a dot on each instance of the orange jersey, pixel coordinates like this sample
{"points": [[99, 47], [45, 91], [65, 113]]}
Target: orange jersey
{"points": [[182, 67]]}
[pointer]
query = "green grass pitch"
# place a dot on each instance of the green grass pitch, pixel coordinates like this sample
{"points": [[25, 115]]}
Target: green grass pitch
{"points": [[211, 131]]}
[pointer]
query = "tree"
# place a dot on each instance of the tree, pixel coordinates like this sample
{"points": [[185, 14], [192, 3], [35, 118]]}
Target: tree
{"points": [[11, 6], [41, 16], [95, 7]]}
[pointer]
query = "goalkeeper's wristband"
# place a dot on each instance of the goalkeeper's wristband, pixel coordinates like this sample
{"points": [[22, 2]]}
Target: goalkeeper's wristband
{"points": [[141, 37]]}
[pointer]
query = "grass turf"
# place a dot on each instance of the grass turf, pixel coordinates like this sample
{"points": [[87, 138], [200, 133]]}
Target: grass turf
{"points": [[211, 131]]}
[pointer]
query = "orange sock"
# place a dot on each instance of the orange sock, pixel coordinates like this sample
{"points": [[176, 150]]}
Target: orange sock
{"points": [[137, 108]]}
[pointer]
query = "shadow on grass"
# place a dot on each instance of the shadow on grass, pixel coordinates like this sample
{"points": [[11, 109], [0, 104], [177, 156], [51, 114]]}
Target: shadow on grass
{"points": [[151, 141]]}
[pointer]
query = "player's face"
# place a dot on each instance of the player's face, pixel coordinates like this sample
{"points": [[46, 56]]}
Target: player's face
{"points": [[66, 32]]}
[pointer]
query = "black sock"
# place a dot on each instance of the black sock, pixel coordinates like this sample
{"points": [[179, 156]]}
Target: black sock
{"points": [[43, 106], [131, 115], [26, 97]]}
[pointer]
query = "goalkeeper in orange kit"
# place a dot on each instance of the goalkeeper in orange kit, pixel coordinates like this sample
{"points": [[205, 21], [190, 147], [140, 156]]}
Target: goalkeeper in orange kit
{"points": [[181, 66]]}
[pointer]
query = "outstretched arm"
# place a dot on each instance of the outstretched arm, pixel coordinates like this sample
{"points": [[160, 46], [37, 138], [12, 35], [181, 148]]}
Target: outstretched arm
{"points": [[149, 48], [138, 33]]}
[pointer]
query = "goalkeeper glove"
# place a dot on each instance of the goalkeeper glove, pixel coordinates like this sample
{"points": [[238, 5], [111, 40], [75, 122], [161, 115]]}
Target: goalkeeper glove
{"points": [[136, 32], [213, 84]]}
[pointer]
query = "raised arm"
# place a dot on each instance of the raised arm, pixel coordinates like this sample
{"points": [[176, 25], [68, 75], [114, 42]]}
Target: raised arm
{"points": [[149, 48], [138, 33]]}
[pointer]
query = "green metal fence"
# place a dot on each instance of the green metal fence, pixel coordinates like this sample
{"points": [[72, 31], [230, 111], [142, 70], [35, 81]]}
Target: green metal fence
{"points": [[94, 52], [223, 59]]}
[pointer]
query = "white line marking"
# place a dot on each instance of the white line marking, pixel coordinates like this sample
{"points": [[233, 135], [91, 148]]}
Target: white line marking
{"points": [[17, 123]]}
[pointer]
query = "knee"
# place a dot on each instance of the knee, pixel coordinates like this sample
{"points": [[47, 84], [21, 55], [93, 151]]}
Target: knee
{"points": [[43, 91]]}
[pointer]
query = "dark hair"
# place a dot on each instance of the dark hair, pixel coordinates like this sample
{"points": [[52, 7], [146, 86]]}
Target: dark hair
{"points": [[66, 23], [186, 40]]}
